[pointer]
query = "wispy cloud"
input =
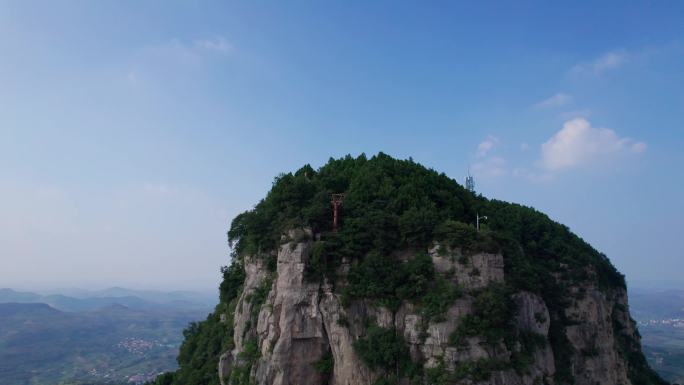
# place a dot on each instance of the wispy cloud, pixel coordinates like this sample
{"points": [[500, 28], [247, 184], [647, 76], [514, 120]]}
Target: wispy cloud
{"points": [[488, 163], [219, 45], [534, 175], [487, 145], [605, 62], [609, 61], [558, 100], [176, 63], [490, 167], [578, 144]]}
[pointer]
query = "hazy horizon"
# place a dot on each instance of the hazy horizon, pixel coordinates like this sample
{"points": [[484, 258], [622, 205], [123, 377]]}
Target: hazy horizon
{"points": [[131, 133], [647, 287], [84, 290], [653, 286]]}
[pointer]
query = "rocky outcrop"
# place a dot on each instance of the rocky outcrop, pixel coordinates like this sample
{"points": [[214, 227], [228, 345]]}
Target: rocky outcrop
{"points": [[533, 316], [343, 329], [471, 272], [290, 329], [596, 358], [300, 323], [224, 367]]}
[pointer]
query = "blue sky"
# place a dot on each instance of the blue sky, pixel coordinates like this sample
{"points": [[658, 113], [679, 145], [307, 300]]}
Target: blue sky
{"points": [[132, 132]]}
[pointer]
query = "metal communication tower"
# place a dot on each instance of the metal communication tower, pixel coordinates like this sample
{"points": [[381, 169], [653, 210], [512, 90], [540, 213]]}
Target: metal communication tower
{"points": [[470, 183]]}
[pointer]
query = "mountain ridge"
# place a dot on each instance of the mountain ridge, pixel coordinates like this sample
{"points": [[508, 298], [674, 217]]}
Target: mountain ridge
{"points": [[129, 298]]}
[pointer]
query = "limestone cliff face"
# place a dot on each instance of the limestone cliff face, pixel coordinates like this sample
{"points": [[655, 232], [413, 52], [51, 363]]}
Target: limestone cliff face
{"points": [[300, 324]]}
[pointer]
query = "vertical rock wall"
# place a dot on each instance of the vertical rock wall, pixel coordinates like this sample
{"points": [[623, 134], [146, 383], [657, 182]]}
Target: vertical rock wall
{"points": [[300, 322]]}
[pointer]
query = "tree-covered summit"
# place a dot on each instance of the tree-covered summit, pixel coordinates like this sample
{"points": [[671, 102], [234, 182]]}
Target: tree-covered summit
{"points": [[393, 204]]}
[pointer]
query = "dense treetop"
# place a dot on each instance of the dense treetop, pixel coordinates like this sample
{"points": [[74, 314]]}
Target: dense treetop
{"points": [[395, 204]]}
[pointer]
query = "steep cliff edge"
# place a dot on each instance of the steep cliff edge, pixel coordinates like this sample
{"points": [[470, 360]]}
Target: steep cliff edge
{"points": [[407, 291]]}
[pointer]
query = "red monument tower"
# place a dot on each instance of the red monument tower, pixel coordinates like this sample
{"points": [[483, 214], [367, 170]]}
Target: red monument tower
{"points": [[336, 201]]}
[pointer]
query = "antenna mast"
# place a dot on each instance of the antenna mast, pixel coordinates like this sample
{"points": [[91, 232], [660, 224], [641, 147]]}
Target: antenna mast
{"points": [[470, 182]]}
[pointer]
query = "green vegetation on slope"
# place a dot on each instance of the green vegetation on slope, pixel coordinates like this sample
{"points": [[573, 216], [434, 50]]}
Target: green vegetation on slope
{"points": [[392, 205], [492, 317], [385, 349], [205, 341], [379, 277]]}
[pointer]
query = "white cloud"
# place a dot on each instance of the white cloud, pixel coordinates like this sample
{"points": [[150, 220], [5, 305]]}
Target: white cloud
{"points": [[609, 61], [524, 146], [175, 64], [558, 100], [487, 145], [533, 175], [488, 164], [578, 143], [638, 147], [219, 45], [490, 167], [605, 62]]}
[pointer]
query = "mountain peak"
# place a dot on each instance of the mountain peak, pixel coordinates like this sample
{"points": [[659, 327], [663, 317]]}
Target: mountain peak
{"points": [[409, 287]]}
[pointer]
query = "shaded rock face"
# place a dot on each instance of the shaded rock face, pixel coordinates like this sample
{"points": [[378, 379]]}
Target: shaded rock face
{"points": [[596, 359], [301, 322], [290, 329]]}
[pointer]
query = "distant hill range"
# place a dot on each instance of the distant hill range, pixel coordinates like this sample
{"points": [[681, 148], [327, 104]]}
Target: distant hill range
{"points": [[111, 345], [648, 304], [78, 300], [111, 336]]}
